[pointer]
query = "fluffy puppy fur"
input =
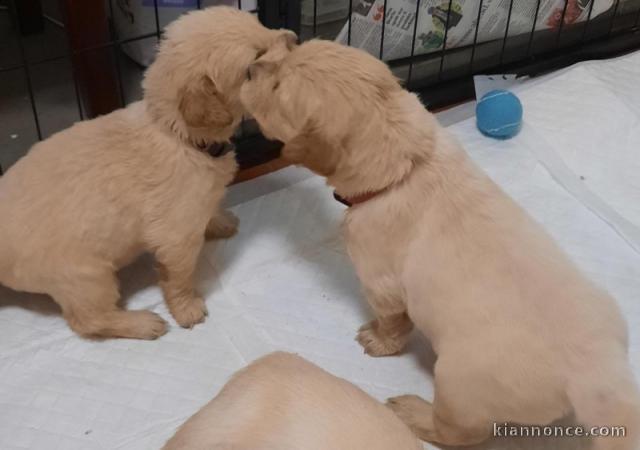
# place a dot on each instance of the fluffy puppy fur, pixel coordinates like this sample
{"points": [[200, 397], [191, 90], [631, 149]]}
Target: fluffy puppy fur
{"points": [[91, 198], [521, 335], [283, 402]]}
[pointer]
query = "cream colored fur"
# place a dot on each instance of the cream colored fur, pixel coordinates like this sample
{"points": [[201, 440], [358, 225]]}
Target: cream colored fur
{"points": [[283, 402], [521, 335], [90, 199]]}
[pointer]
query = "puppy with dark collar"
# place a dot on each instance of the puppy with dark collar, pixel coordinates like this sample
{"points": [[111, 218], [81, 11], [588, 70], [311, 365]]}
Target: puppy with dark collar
{"points": [[90, 199]]}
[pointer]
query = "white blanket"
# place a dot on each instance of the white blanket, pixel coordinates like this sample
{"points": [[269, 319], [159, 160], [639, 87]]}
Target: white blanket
{"points": [[286, 283]]}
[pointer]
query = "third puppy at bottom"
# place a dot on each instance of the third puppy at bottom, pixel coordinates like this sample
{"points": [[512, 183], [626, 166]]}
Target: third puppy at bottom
{"points": [[283, 402]]}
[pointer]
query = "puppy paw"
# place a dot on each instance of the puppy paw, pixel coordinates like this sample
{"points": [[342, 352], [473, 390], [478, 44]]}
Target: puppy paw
{"points": [[188, 311], [377, 344], [222, 226], [145, 325], [414, 411]]}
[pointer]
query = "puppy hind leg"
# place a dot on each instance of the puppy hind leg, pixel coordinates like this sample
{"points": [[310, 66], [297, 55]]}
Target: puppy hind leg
{"points": [[416, 413], [607, 404], [424, 420], [89, 305], [457, 416]]}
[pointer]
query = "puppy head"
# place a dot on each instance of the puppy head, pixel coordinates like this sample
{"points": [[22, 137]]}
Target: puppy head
{"points": [[193, 85], [339, 111]]}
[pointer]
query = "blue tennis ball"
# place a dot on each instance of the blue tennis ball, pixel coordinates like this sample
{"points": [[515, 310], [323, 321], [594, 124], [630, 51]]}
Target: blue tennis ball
{"points": [[499, 114]]}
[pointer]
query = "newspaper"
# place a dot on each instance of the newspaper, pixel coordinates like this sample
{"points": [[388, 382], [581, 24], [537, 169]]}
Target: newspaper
{"points": [[367, 17]]}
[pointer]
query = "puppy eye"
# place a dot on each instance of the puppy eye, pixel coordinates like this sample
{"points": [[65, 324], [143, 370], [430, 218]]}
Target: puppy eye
{"points": [[276, 86], [260, 52], [248, 74]]}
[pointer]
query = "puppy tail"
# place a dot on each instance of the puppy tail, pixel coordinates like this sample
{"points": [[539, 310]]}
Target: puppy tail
{"points": [[606, 402]]}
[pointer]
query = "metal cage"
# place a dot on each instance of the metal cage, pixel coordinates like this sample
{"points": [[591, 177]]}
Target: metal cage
{"points": [[66, 60]]}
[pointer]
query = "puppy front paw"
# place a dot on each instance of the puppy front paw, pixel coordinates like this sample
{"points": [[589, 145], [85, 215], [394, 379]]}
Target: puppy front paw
{"points": [[377, 344], [222, 226], [145, 325], [188, 311]]}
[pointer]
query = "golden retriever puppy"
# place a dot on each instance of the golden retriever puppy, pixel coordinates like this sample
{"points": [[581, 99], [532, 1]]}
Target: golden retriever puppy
{"points": [[88, 200], [521, 335], [283, 402]]}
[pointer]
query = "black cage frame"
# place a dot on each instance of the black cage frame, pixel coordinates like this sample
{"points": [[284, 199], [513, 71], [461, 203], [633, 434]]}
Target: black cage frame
{"points": [[441, 78]]}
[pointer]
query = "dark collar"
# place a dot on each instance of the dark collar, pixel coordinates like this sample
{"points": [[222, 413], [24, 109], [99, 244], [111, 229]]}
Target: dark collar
{"points": [[356, 199], [217, 149], [366, 196]]}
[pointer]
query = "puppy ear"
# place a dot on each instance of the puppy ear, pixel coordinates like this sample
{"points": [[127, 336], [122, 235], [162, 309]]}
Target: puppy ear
{"points": [[202, 106], [290, 39], [313, 151]]}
